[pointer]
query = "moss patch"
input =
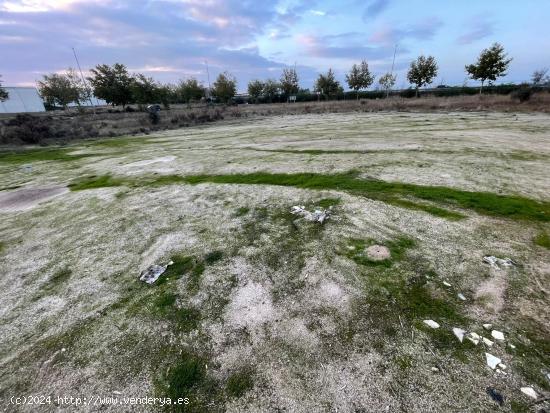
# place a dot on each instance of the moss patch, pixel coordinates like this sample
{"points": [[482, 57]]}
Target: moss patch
{"points": [[239, 382], [94, 182]]}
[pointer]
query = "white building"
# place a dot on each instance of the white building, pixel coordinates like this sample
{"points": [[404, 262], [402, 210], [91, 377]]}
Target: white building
{"points": [[22, 99]]}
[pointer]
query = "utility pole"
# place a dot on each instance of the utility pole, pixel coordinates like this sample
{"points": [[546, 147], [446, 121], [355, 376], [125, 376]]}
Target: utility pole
{"points": [[392, 66], [84, 81], [208, 77]]}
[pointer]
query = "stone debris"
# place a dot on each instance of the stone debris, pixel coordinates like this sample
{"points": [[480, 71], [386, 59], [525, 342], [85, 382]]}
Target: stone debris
{"points": [[529, 392], [151, 274], [318, 215], [474, 338], [502, 366], [511, 346], [459, 333], [496, 262], [461, 297], [446, 284], [487, 326], [497, 335], [488, 342], [435, 369], [492, 361], [431, 323]]}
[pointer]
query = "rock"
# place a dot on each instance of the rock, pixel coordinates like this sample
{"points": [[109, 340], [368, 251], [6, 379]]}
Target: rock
{"points": [[502, 366], [497, 335], [151, 274], [511, 346], [446, 284], [487, 342], [487, 326], [529, 392], [496, 396], [496, 262], [492, 361], [459, 333], [378, 253], [431, 323], [435, 369], [474, 338], [461, 297]]}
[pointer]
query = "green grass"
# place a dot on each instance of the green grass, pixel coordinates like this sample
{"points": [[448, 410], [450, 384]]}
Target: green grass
{"points": [[242, 211], [94, 182], [514, 207], [327, 202], [543, 240], [39, 155]]}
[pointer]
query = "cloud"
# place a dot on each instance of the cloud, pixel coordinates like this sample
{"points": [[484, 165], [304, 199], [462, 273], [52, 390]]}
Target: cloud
{"points": [[391, 34], [374, 8], [478, 28]]}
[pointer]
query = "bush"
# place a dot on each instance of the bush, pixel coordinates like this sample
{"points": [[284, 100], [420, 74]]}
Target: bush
{"points": [[27, 129], [523, 94]]}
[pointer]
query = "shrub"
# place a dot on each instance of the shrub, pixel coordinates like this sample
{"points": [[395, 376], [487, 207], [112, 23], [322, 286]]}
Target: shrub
{"points": [[523, 94]]}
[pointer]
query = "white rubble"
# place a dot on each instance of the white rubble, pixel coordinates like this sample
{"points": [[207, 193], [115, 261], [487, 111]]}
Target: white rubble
{"points": [[319, 216], [502, 366], [474, 338], [487, 342], [459, 333], [446, 284], [431, 323], [529, 392], [492, 361], [497, 335], [487, 326], [461, 296], [151, 274], [496, 262]]}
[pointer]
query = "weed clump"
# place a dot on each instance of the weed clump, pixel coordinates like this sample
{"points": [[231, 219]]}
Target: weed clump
{"points": [[239, 383], [543, 240]]}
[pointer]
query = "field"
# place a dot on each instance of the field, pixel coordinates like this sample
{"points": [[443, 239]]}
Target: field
{"points": [[263, 310]]}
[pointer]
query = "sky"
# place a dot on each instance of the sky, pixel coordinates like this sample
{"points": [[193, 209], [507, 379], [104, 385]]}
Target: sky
{"points": [[173, 39]]}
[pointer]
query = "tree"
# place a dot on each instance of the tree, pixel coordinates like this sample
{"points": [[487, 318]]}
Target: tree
{"points": [[144, 90], [491, 64], [359, 77], [190, 90], [289, 82], [387, 81], [255, 89], [112, 83], [60, 89], [225, 87], [327, 85], [3, 93], [422, 72], [540, 77], [271, 89]]}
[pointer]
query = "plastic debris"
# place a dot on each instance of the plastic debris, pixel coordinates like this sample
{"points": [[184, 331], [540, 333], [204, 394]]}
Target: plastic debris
{"points": [[492, 361], [496, 396], [496, 262], [446, 284], [151, 274], [318, 215], [459, 333], [431, 323], [487, 342], [487, 326], [497, 335], [529, 392], [461, 297]]}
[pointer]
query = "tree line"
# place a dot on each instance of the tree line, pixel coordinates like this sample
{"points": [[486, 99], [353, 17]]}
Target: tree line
{"points": [[117, 86]]}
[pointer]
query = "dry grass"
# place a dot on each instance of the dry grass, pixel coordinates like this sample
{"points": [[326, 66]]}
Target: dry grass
{"points": [[58, 127]]}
